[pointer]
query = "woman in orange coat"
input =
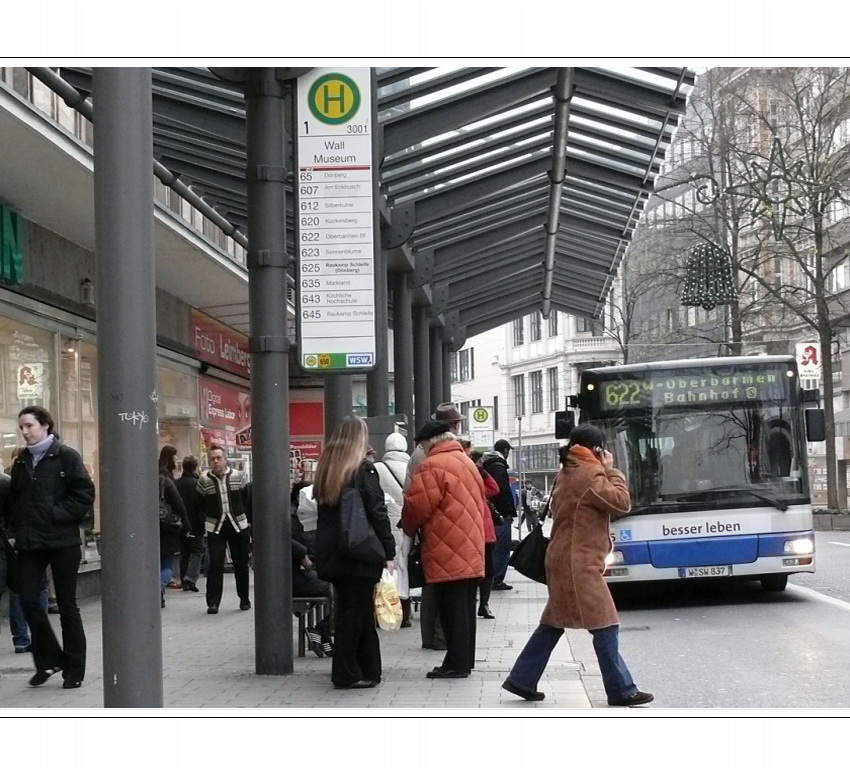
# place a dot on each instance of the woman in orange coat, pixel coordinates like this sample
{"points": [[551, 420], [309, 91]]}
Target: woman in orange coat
{"points": [[445, 501], [588, 491]]}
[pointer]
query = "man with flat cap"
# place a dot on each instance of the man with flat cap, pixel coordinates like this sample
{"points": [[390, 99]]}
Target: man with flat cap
{"points": [[496, 464]]}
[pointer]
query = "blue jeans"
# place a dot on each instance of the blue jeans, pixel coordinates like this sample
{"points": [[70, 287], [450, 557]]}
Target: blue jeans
{"points": [[534, 657], [17, 621], [166, 569], [502, 550]]}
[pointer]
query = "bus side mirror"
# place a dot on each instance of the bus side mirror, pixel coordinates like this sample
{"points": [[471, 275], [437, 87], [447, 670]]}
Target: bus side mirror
{"points": [[815, 425], [564, 423]]}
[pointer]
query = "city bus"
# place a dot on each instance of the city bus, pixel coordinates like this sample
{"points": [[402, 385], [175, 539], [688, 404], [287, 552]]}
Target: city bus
{"points": [[714, 451]]}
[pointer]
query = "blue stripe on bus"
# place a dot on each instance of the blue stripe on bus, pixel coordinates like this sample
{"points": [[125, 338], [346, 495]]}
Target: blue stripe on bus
{"points": [[729, 550]]}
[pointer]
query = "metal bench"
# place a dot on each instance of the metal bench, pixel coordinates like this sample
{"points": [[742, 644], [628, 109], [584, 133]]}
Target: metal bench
{"points": [[310, 611]]}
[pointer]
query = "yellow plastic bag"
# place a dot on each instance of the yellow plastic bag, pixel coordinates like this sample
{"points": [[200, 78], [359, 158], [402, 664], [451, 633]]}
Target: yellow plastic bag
{"points": [[387, 604]]}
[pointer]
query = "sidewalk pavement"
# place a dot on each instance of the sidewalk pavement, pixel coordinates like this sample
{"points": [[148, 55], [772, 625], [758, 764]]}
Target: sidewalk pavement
{"points": [[208, 662]]}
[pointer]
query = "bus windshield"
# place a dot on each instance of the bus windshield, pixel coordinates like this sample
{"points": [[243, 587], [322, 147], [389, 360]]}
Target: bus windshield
{"points": [[681, 460], [687, 448]]}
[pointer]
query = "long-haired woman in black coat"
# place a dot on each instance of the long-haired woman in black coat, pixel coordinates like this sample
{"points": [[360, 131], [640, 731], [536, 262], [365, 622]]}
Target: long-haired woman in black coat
{"points": [[170, 535], [343, 464]]}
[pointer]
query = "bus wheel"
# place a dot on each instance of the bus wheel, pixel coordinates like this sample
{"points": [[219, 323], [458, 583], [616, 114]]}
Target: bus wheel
{"points": [[774, 583]]}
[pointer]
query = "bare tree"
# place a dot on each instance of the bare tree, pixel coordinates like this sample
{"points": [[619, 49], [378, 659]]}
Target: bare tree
{"points": [[798, 153], [763, 160]]}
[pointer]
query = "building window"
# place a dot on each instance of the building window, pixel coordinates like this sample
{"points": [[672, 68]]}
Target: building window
{"points": [[454, 370], [495, 411], [518, 333], [464, 410], [584, 325], [534, 334], [466, 365], [519, 395], [553, 388], [553, 323], [536, 392]]}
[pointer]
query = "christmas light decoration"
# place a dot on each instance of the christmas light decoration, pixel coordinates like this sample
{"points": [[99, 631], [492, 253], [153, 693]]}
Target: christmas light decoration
{"points": [[709, 281]]}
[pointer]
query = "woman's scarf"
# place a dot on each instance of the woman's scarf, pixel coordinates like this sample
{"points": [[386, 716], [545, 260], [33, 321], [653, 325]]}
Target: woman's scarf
{"points": [[39, 450], [584, 455]]}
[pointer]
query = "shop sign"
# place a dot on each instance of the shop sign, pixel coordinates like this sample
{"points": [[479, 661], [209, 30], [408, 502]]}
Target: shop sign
{"points": [[30, 380], [223, 406], [219, 345], [11, 246], [808, 360], [307, 450]]}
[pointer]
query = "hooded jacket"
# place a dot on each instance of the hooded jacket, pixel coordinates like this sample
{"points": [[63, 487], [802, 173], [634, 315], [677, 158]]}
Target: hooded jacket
{"points": [[446, 502], [392, 469]]}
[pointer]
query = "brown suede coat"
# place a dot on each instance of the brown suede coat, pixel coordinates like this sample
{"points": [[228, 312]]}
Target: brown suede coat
{"points": [[583, 499]]}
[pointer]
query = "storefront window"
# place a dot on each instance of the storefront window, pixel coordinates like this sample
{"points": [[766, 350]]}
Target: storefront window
{"points": [[77, 415], [27, 376], [177, 412]]}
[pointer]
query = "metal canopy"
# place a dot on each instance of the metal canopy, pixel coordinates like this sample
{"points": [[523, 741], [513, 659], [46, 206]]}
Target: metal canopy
{"points": [[471, 151]]}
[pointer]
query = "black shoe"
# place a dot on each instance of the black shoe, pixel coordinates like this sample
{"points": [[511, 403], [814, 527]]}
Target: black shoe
{"points": [[439, 672], [358, 685], [510, 686], [245, 605], [434, 647], [189, 586], [23, 649], [213, 609], [69, 684], [485, 613], [53, 609], [42, 675], [502, 587], [638, 698]]}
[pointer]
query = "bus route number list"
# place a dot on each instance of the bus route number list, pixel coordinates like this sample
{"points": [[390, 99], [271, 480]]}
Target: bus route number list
{"points": [[336, 235]]}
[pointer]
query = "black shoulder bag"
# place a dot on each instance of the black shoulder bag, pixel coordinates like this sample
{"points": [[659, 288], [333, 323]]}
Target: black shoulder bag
{"points": [[529, 557], [11, 562], [357, 537]]}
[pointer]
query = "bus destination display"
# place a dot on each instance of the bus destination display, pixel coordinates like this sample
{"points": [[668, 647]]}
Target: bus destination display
{"points": [[691, 390]]}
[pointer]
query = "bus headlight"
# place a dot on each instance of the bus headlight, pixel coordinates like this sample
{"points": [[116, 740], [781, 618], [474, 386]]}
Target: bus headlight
{"points": [[614, 558], [799, 546]]}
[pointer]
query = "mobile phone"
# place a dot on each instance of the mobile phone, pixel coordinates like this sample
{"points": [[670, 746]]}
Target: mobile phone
{"points": [[597, 451]]}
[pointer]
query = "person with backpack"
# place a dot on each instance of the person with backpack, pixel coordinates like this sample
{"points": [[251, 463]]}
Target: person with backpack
{"points": [[496, 464]]}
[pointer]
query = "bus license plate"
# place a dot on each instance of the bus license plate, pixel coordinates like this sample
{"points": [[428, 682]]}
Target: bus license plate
{"points": [[705, 571]]}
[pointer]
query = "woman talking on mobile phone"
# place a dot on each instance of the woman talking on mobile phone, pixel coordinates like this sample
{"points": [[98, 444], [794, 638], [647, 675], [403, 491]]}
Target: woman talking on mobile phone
{"points": [[587, 493]]}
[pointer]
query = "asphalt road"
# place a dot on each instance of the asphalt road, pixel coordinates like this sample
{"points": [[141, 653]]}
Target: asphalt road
{"points": [[731, 645]]}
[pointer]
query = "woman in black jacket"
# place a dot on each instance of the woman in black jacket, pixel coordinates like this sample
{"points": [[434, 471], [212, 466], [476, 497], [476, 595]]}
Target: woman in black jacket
{"points": [[191, 543], [50, 494], [343, 464], [170, 534]]}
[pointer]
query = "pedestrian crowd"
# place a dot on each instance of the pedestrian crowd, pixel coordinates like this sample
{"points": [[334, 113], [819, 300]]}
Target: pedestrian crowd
{"points": [[446, 509]]}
